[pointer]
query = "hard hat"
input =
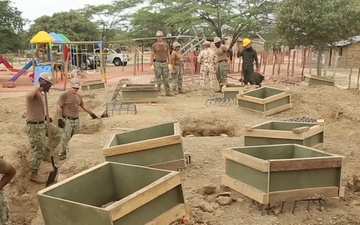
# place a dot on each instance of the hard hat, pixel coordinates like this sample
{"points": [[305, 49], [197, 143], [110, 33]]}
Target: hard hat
{"points": [[217, 40], [75, 83], [246, 42], [47, 76], [207, 43], [159, 33], [176, 44]]}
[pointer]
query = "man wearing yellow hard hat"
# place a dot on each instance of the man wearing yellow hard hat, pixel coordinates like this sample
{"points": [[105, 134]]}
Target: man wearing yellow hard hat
{"points": [[248, 55]]}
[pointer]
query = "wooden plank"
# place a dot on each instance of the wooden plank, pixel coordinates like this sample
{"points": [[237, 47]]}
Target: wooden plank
{"points": [[305, 163], [140, 89], [143, 196], [302, 194], [170, 216], [72, 177], [170, 165], [139, 100], [320, 78], [276, 97], [245, 159], [314, 130], [108, 142], [142, 145], [278, 109], [243, 97], [279, 134], [177, 130], [244, 189]]}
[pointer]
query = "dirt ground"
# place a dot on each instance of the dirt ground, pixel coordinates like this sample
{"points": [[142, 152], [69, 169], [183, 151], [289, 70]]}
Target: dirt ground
{"points": [[339, 108]]}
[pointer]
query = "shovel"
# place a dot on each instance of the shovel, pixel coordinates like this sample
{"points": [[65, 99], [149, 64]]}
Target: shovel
{"points": [[52, 174]]}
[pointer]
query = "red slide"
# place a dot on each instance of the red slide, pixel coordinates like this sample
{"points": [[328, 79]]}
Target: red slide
{"points": [[7, 65]]}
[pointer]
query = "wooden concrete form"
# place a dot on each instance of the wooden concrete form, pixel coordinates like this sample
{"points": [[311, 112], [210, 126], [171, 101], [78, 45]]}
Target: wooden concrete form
{"points": [[316, 80], [265, 100], [231, 90], [92, 85], [158, 146], [139, 93], [281, 173], [286, 132], [114, 194]]}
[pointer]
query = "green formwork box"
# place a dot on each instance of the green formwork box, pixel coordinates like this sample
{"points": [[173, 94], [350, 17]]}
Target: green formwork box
{"points": [[139, 93], [158, 146], [317, 80], [231, 90], [281, 173], [286, 132], [114, 194], [92, 85], [265, 100]]}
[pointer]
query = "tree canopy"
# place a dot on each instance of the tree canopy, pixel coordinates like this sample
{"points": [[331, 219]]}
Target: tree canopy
{"points": [[318, 23], [72, 24], [11, 26]]}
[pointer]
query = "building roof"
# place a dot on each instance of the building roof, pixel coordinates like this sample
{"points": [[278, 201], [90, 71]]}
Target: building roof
{"points": [[352, 40]]}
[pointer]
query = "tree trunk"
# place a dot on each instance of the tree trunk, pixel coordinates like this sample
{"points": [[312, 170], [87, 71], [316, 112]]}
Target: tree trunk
{"points": [[320, 50]]}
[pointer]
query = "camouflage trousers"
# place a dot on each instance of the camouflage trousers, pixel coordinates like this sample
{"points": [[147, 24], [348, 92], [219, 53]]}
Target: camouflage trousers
{"points": [[207, 76], [178, 77], [4, 207], [55, 139], [71, 128], [222, 71], [162, 75], [38, 143]]}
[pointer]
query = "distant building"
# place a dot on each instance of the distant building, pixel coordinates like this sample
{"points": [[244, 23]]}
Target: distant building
{"points": [[349, 52]]}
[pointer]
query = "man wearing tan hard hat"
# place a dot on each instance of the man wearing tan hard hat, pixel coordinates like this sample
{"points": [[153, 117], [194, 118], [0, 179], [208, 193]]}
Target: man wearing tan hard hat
{"points": [[36, 126], [68, 112], [222, 65], [248, 55], [160, 62]]}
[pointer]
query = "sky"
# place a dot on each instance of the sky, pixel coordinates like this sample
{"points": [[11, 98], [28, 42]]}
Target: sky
{"points": [[33, 9]]}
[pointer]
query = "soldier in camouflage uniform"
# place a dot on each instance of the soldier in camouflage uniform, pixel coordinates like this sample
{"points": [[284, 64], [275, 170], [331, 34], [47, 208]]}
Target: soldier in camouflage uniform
{"points": [[222, 56], [177, 64], [35, 124], [160, 61], [68, 112], [208, 64], [8, 172]]}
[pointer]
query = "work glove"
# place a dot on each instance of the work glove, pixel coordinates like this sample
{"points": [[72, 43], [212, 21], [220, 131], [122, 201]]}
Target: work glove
{"points": [[50, 119], [152, 67], [170, 66], [93, 115], [61, 123]]}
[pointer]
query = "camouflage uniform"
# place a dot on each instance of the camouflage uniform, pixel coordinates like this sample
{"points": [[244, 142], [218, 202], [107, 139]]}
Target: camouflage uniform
{"points": [[4, 207], [71, 127], [161, 70], [178, 77], [207, 59], [55, 140], [37, 138]]}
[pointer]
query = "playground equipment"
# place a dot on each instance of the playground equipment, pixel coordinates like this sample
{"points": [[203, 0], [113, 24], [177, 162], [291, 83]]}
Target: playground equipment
{"points": [[67, 58]]}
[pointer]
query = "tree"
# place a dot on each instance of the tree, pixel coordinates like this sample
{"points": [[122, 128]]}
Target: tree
{"points": [[73, 25], [234, 18], [216, 18], [171, 17], [11, 23], [110, 18], [318, 23]]}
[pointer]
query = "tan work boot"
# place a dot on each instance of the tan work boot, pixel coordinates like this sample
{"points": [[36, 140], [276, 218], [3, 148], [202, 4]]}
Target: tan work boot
{"points": [[181, 91], [36, 178], [168, 94]]}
